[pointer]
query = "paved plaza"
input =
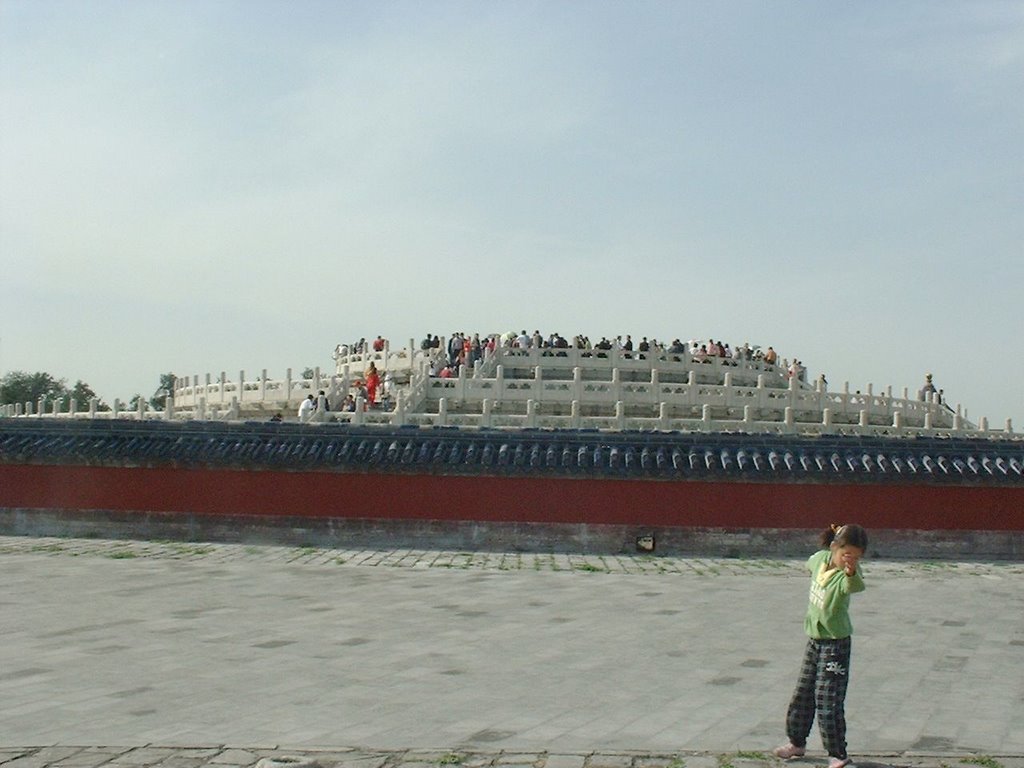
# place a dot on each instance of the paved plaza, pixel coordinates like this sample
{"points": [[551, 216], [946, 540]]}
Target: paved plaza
{"points": [[127, 653]]}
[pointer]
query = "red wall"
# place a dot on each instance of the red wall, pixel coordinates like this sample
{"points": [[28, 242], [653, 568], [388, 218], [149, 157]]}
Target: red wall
{"points": [[517, 499]]}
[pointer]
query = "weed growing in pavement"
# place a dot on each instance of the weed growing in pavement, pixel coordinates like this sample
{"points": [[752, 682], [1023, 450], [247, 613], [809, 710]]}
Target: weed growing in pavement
{"points": [[47, 548], [751, 756], [121, 554], [452, 758], [983, 760]]}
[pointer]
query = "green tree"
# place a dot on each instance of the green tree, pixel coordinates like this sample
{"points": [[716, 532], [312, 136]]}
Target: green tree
{"points": [[21, 387], [83, 394], [166, 388]]}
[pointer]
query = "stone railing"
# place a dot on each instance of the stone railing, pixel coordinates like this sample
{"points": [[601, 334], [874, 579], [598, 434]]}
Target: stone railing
{"points": [[557, 389], [532, 415]]}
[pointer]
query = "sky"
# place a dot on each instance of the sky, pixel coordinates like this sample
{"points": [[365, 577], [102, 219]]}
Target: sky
{"points": [[197, 187]]}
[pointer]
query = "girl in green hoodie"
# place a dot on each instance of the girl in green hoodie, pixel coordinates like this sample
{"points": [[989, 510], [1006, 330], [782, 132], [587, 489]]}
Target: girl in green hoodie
{"points": [[824, 674]]}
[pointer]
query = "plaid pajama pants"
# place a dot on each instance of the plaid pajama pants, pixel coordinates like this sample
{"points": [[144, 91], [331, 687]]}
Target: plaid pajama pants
{"points": [[821, 689]]}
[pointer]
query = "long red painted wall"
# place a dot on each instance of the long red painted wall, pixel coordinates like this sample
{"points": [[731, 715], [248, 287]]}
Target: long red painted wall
{"points": [[510, 499]]}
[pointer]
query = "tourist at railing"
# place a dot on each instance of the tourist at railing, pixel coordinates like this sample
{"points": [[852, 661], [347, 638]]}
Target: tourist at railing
{"points": [[306, 408], [372, 383]]}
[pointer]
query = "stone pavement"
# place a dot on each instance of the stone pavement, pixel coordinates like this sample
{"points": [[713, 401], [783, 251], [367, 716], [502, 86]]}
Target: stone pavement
{"points": [[191, 654]]}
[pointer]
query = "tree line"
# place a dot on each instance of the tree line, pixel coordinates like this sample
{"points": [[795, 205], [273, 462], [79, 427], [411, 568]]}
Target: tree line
{"points": [[22, 387]]}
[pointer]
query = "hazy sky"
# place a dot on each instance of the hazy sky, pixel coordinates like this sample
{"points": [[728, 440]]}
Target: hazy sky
{"points": [[213, 186]]}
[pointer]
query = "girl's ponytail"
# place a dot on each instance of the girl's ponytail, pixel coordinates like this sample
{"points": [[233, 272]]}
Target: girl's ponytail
{"points": [[844, 535]]}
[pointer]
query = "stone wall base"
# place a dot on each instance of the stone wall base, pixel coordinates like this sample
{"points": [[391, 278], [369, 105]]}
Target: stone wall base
{"points": [[359, 533]]}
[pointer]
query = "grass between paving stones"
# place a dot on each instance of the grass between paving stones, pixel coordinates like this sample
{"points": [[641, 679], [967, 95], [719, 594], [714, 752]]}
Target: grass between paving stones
{"points": [[983, 760], [121, 554]]}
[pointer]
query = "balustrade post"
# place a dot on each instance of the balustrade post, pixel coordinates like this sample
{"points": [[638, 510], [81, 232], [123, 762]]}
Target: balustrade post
{"points": [[400, 416], [958, 421], [359, 415], [460, 386], [20, 409], [485, 415], [442, 412], [691, 378], [240, 393], [864, 417], [826, 417], [169, 408], [727, 380], [58, 402], [499, 382], [789, 416], [235, 412], [897, 420], [117, 408], [663, 416], [928, 420], [616, 384], [72, 407], [140, 409], [531, 413], [577, 383], [574, 414], [983, 423], [316, 378], [871, 389], [1009, 426], [41, 406], [705, 417], [288, 386], [263, 386], [223, 385], [620, 413]]}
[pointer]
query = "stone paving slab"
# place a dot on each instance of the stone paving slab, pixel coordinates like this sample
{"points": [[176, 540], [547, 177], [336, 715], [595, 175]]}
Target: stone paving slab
{"points": [[188, 654], [221, 757], [215, 552]]}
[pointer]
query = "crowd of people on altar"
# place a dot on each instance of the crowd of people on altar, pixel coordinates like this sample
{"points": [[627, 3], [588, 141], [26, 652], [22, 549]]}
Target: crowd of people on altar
{"points": [[465, 349]]}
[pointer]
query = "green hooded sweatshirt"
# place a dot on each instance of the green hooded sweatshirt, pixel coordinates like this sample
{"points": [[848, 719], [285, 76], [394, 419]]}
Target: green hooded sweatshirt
{"points": [[828, 612]]}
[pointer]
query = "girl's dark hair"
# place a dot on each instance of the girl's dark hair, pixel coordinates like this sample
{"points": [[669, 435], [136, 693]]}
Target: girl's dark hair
{"points": [[850, 535]]}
